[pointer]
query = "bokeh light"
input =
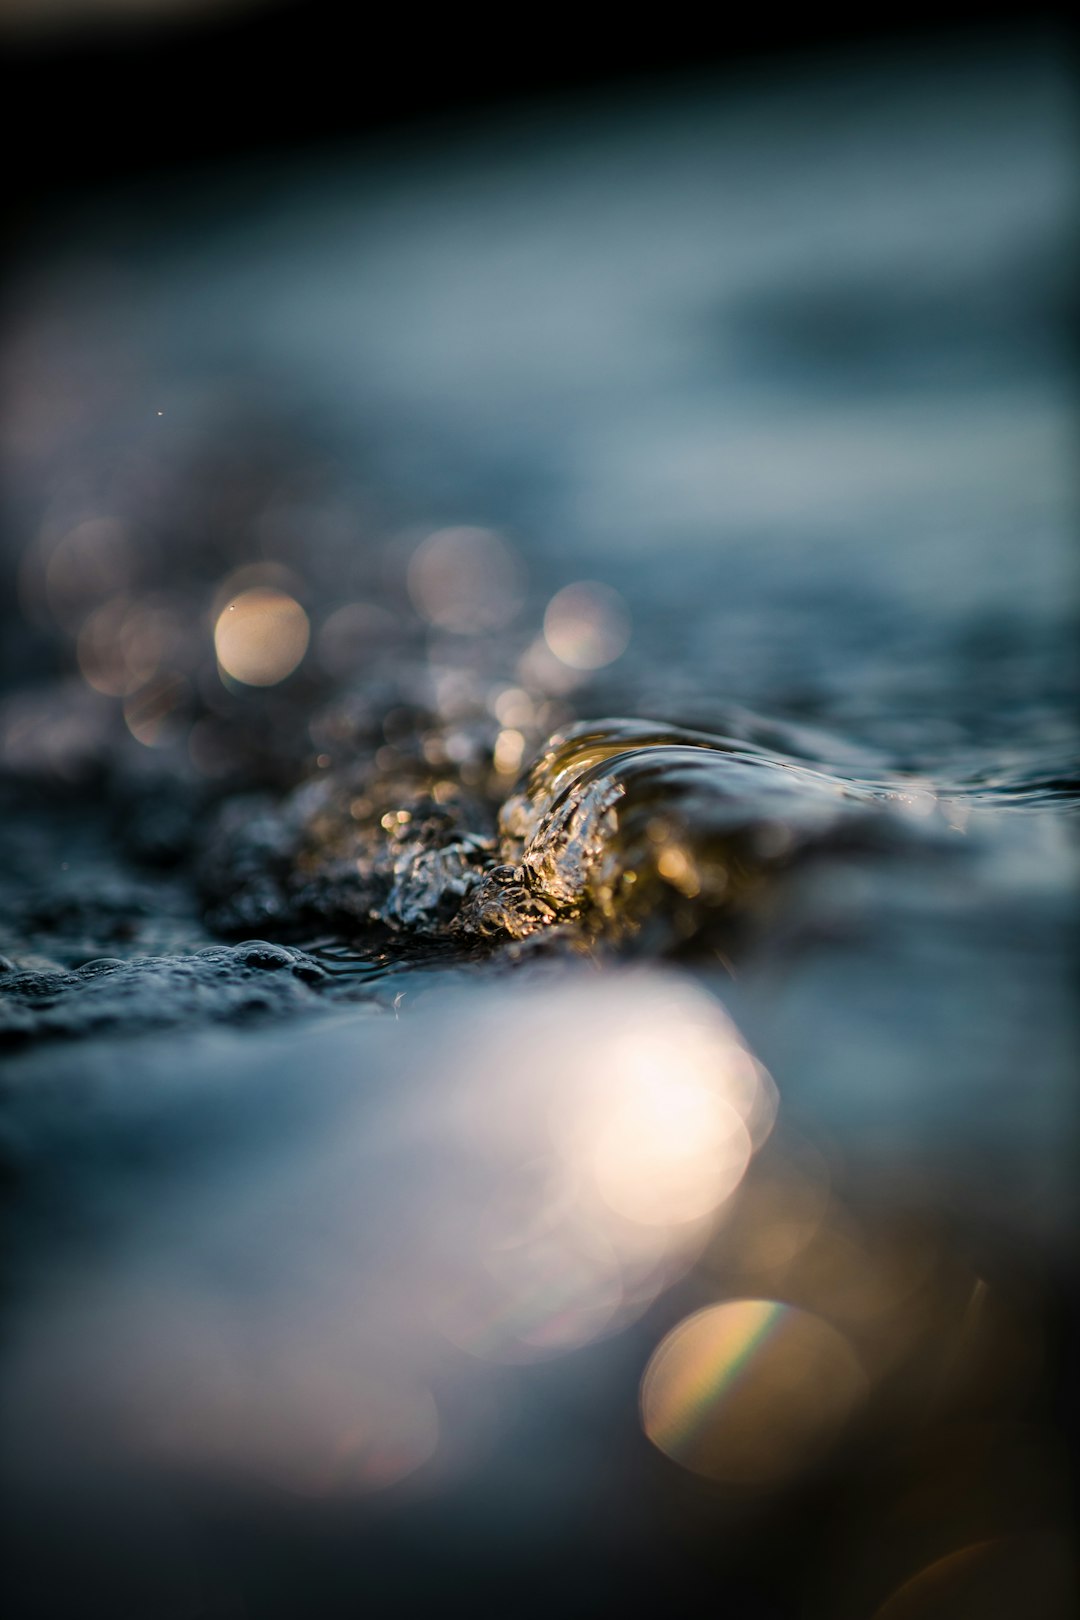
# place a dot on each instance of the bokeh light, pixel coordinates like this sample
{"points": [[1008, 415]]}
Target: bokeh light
{"points": [[750, 1392], [673, 1149], [587, 625], [124, 642], [79, 568], [261, 636], [600, 1175], [508, 752], [149, 711], [465, 580]]}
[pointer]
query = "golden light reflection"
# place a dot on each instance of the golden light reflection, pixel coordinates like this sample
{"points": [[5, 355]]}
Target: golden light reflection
{"points": [[261, 636], [676, 866], [587, 625], [750, 1392], [466, 580]]}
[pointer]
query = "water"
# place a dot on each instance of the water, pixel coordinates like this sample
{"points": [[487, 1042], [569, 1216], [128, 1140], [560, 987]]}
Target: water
{"points": [[540, 785]]}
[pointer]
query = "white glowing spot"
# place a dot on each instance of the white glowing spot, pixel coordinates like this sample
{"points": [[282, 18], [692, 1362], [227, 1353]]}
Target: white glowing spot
{"points": [[509, 748], [539, 668], [666, 1124], [587, 625], [261, 636], [514, 707], [599, 1171], [671, 1152], [466, 580]]}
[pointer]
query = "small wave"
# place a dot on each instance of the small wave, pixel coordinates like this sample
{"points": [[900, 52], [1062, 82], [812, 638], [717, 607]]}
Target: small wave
{"points": [[621, 822], [618, 829]]}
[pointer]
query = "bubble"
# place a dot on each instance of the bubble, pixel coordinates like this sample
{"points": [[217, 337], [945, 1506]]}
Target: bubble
{"points": [[749, 1392], [587, 625], [261, 636]]}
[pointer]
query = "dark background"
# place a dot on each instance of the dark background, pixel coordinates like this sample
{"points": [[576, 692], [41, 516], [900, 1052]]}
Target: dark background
{"points": [[109, 99]]}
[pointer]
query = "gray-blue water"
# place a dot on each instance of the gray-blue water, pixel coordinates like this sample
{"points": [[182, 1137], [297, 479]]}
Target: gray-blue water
{"points": [[359, 1264]]}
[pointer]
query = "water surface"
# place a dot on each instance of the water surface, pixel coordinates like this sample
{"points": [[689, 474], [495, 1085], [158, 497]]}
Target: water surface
{"points": [[540, 773]]}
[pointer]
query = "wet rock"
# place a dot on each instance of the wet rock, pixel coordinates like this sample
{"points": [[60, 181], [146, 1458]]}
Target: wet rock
{"points": [[361, 851]]}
